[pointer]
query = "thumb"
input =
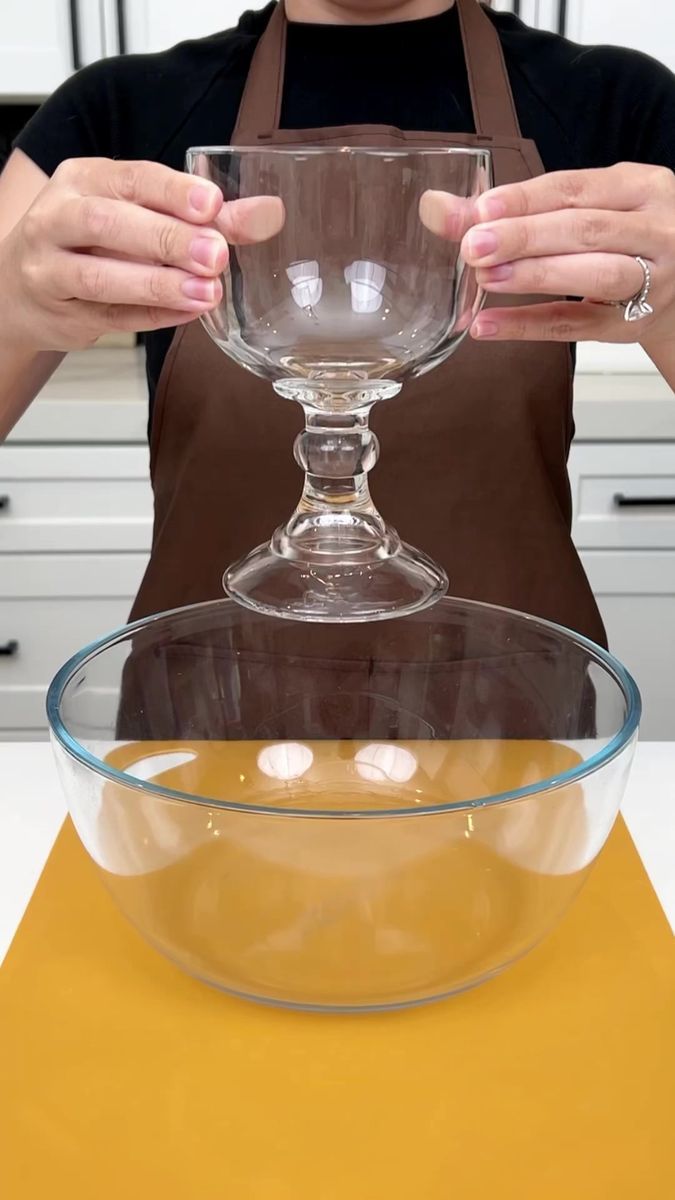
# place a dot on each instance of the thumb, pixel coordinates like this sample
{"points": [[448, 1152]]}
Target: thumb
{"points": [[255, 219], [446, 215]]}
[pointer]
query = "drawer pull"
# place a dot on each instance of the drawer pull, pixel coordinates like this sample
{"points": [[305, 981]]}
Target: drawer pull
{"points": [[4, 502], [9, 649], [622, 501]]}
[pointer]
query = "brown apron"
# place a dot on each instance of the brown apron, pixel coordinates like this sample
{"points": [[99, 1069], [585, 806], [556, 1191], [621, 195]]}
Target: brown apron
{"points": [[473, 465], [473, 471]]}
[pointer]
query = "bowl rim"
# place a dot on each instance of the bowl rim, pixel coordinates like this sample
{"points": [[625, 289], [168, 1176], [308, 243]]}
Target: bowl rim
{"points": [[616, 745]]}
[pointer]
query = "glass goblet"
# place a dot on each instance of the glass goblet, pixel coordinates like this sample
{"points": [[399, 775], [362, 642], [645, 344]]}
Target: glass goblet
{"points": [[354, 284]]}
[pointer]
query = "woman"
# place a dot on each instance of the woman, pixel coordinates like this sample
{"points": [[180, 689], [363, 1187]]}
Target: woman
{"points": [[102, 231]]}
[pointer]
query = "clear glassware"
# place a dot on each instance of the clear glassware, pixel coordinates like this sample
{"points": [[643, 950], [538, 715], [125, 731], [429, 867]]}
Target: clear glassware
{"points": [[343, 816], [352, 291]]}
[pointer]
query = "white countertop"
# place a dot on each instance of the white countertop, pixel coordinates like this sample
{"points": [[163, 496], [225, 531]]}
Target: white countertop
{"points": [[32, 811], [101, 395], [98, 395]]}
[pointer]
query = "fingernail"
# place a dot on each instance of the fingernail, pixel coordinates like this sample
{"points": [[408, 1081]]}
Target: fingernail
{"points": [[201, 198], [207, 251], [491, 208], [485, 329], [496, 274], [482, 242], [200, 289]]}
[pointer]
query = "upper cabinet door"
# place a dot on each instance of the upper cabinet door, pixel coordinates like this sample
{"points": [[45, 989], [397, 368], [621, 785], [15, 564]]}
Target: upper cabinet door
{"points": [[648, 26], [157, 24], [38, 46], [540, 14]]}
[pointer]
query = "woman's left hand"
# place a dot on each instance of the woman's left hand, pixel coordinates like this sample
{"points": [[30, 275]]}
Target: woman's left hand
{"points": [[577, 233]]}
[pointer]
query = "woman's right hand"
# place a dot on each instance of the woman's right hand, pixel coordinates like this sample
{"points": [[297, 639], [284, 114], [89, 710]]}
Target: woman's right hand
{"points": [[110, 245]]}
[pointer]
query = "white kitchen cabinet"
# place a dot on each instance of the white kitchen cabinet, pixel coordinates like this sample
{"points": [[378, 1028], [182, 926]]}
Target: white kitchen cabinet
{"points": [[38, 46], [635, 591], [43, 41], [51, 605], [75, 532], [623, 498], [74, 498], [157, 24], [648, 26]]}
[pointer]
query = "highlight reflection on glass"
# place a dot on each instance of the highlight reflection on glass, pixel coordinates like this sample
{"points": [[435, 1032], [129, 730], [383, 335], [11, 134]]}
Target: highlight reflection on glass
{"points": [[385, 763], [285, 761], [366, 281], [307, 285]]}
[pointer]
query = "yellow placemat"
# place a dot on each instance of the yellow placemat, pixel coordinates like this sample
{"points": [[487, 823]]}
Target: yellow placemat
{"points": [[121, 1077]]}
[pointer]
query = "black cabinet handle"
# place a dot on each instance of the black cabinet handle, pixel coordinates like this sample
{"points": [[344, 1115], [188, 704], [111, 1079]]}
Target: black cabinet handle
{"points": [[622, 501], [562, 17], [75, 35], [4, 502], [9, 649]]}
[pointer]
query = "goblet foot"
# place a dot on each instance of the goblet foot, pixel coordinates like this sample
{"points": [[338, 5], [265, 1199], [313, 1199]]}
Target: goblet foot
{"points": [[314, 588]]}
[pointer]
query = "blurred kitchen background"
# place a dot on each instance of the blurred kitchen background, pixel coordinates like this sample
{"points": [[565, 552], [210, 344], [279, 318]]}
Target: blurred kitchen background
{"points": [[75, 501]]}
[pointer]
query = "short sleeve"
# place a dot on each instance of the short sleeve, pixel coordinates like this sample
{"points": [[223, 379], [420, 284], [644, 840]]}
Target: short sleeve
{"points": [[75, 122]]}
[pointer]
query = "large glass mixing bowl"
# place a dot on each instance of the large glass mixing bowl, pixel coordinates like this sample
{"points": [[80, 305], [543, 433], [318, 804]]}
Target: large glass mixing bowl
{"points": [[343, 816]]}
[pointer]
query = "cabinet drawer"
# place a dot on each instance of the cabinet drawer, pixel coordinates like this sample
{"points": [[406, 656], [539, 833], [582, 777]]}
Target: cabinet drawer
{"points": [[623, 496], [62, 576], [49, 608], [635, 591], [90, 498]]}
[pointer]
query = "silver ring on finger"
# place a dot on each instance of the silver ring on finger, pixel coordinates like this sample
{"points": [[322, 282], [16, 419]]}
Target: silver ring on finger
{"points": [[638, 306]]}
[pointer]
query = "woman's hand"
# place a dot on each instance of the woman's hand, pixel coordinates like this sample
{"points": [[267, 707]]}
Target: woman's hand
{"points": [[120, 246], [577, 233]]}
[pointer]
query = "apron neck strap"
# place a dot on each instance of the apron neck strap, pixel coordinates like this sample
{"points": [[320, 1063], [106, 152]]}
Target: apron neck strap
{"points": [[494, 111], [260, 108]]}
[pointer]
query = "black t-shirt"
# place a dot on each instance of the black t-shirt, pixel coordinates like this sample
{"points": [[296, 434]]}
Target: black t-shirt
{"points": [[582, 106]]}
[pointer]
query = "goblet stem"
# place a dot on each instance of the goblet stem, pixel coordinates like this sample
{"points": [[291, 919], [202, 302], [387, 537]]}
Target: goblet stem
{"points": [[336, 559], [336, 452], [336, 518]]}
